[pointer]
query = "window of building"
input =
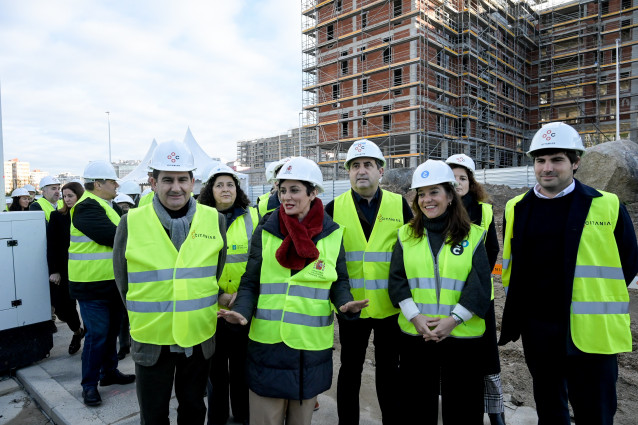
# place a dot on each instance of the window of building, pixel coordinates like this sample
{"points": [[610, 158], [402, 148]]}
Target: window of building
{"points": [[338, 6], [363, 54], [387, 123], [344, 116], [443, 82], [386, 108], [335, 91], [543, 98], [344, 67], [398, 8], [386, 55], [344, 129], [442, 59], [364, 85], [626, 4], [330, 32], [545, 114], [613, 55], [398, 77], [364, 20], [604, 6], [364, 120], [625, 34]]}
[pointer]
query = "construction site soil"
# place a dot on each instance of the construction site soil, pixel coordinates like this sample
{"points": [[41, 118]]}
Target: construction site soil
{"points": [[516, 380]]}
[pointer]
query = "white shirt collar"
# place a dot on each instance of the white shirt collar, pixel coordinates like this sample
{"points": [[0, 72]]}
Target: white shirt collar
{"points": [[569, 189]]}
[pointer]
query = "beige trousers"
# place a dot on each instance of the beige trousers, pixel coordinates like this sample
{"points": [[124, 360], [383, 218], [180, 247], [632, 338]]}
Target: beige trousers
{"points": [[279, 411]]}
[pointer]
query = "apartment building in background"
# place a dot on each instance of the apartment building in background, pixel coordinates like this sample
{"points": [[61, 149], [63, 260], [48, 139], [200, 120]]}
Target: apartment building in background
{"points": [[16, 174], [429, 78], [577, 59]]}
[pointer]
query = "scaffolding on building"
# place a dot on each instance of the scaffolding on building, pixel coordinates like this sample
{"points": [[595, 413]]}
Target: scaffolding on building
{"points": [[577, 67], [423, 79]]}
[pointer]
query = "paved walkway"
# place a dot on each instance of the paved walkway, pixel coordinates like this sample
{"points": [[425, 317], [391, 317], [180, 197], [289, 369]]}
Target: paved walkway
{"points": [[55, 384]]}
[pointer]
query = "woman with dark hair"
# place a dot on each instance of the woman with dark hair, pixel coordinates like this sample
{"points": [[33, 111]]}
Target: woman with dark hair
{"points": [[227, 371], [21, 199], [296, 278], [440, 278], [58, 240], [474, 198]]}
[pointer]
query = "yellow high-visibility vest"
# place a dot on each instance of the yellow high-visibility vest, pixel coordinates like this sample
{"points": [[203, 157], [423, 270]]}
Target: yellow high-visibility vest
{"points": [[437, 292], [146, 199], [88, 260], [262, 205], [238, 238], [599, 312], [172, 296], [369, 260], [296, 309], [46, 207]]}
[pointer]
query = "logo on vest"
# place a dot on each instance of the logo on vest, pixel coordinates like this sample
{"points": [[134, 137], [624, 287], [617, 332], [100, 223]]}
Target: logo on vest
{"points": [[236, 247], [195, 235], [458, 249], [381, 218], [317, 269], [597, 223], [320, 265]]}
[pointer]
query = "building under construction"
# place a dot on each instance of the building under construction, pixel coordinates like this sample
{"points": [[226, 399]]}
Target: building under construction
{"points": [[577, 60], [429, 78]]}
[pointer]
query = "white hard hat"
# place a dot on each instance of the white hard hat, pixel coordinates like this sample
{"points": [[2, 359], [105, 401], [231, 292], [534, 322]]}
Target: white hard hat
{"points": [[123, 197], [462, 160], [299, 168], [364, 148], [432, 172], [9, 200], [99, 170], [172, 156], [20, 192], [48, 180], [221, 169], [129, 187], [557, 135], [146, 191], [274, 167], [29, 188]]}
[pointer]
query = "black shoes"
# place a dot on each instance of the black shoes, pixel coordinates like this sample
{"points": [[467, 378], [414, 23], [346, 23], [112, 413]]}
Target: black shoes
{"points": [[123, 352], [76, 341], [92, 397], [116, 377]]}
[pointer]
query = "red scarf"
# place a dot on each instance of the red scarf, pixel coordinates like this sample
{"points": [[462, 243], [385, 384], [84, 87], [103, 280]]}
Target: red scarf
{"points": [[298, 250]]}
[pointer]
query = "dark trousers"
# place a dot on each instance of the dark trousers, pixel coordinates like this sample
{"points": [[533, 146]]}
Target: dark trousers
{"points": [[65, 307], [354, 336], [450, 368], [155, 384], [587, 381], [228, 375], [102, 322]]}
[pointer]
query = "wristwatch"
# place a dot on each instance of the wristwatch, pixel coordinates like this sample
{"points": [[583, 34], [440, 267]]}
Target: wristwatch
{"points": [[457, 319]]}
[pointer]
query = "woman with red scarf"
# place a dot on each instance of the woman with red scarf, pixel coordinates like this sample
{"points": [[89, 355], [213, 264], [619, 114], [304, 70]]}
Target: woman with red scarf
{"points": [[296, 278]]}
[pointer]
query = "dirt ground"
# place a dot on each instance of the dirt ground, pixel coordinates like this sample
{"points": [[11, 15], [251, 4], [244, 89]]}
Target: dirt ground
{"points": [[515, 377]]}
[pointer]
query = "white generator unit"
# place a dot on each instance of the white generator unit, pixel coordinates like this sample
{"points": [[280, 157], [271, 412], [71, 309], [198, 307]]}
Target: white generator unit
{"points": [[25, 304]]}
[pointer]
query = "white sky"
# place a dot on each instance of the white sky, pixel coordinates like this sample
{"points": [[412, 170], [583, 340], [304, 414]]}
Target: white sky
{"points": [[230, 70]]}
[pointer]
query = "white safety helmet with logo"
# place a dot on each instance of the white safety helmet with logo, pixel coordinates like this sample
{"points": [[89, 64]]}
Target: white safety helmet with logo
{"points": [[557, 135], [432, 172], [129, 187], [20, 192], [172, 156], [99, 170], [48, 181], [462, 160], [222, 169], [274, 167], [123, 197], [364, 148], [299, 168]]}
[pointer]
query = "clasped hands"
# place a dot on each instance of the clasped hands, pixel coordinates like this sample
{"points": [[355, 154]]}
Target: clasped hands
{"points": [[433, 328]]}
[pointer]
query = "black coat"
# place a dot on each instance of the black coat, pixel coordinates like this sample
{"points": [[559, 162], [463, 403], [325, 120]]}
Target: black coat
{"points": [[276, 370], [583, 196]]}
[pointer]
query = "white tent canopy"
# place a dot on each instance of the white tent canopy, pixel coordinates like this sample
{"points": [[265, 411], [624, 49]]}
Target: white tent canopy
{"points": [[140, 173], [203, 162]]}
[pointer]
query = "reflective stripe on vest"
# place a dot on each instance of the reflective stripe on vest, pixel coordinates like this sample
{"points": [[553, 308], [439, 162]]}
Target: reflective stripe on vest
{"points": [[296, 309], [238, 238], [369, 261], [175, 305], [599, 312], [437, 290], [88, 260], [46, 207]]}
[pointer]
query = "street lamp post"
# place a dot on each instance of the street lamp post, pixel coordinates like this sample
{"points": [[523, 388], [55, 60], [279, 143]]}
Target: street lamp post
{"points": [[108, 116]]}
